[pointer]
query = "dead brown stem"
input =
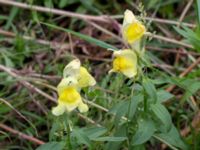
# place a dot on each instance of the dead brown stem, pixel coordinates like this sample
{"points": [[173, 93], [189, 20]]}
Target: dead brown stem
{"points": [[21, 135]]}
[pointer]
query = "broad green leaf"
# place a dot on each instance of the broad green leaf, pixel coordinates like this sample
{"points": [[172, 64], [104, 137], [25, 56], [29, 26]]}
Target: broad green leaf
{"points": [[82, 36], [122, 111], [150, 89], [94, 132], [146, 129], [172, 138], [163, 96], [162, 114], [110, 138], [134, 103], [52, 146], [81, 137]]}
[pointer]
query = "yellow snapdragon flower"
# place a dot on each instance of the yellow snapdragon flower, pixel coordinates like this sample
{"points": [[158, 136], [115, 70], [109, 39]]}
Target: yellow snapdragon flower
{"points": [[132, 28], [83, 77], [125, 61], [69, 98]]}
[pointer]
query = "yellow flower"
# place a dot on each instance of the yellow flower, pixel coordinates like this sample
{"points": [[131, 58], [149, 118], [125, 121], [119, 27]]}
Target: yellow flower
{"points": [[132, 29], [75, 70], [125, 61], [69, 98]]}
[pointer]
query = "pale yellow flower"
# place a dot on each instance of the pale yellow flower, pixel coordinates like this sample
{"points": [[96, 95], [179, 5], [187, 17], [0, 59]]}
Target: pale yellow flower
{"points": [[125, 61], [132, 29], [68, 97], [75, 70]]}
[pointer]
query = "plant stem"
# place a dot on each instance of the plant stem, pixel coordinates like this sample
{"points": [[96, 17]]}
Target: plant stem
{"points": [[69, 138]]}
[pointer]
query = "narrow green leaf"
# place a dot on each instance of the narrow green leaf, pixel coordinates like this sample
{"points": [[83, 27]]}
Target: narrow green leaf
{"points": [[193, 87], [162, 114], [146, 129], [110, 138], [12, 15], [82, 36]]}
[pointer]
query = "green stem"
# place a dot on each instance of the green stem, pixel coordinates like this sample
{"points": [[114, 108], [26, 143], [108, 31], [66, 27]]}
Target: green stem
{"points": [[69, 137]]}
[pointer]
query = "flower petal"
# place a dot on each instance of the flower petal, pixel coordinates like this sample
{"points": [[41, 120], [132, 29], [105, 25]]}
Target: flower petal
{"points": [[125, 62], [72, 69], [85, 78], [65, 83], [129, 17], [83, 107], [58, 110]]}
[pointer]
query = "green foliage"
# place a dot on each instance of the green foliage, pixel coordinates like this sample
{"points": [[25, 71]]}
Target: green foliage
{"points": [[145, 131], [191, 36], [52, 146]]}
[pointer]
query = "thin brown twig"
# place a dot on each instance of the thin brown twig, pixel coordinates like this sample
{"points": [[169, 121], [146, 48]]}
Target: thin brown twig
{"points": [[21, 135], [53, 11], [53, 45], [187, 7], [171, 50], [25, 83], [169, 40], [159, 20]]}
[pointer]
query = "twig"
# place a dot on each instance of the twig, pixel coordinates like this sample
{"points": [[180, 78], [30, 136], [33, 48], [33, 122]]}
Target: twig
{"points": [[25, 83], [53, 11], [171, 51], [187, 7], [169, 40], [159, 20], [54, 45], [21, 135]]}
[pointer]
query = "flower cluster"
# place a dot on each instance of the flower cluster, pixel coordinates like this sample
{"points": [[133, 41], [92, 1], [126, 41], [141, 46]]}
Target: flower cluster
{"points": [[125, 61], [76, 77]]}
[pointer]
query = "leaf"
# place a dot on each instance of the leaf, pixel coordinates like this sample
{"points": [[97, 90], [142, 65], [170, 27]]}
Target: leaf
{"points": [[52, 146], [81, 137], [146, 129], [13, 13], [172, 138], [162, 114], [134, 103], [150, 89], [82, 36], [110, 138], [163, 96], [94, 132], [191, 36]]}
